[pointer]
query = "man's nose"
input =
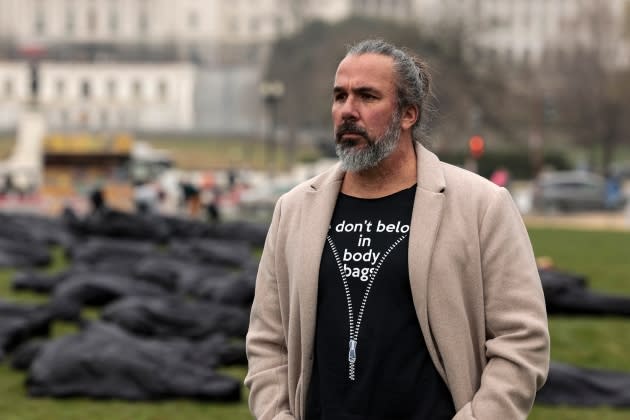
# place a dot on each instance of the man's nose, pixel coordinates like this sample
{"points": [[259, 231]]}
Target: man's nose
{"points": [[349, 110]]}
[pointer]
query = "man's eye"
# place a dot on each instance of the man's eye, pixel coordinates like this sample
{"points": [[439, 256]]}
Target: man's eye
{"points": [[339, 97]]}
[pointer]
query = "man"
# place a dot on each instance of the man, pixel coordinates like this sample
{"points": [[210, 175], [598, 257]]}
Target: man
{"points": [[394, 286]]}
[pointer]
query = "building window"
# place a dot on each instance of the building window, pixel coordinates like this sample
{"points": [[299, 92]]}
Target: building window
{"points": [[60, 88], [111, 89], [509, 57], [92, 21], [39, 22], [8, 88], [492, 54], [40, 25], [64, 117], [70, 22], [85, 89], [253, 54], [113, 22], [122, 118], [104, 117], [254, 25], [378, 7], [162, 90], [136, 89], [83, 118], [233, 25], [279, 25], [194, 54], [527, 19], [526, 57], [143, 23], [561, 58], [193, 20]]}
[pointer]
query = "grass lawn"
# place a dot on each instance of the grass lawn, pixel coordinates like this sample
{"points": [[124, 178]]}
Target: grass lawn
{"points": [[589, 342], [221, 153], [212, 152], [6, 146]]}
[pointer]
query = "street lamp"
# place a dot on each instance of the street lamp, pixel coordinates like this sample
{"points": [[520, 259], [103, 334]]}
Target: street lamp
{"points": [[271, 92], [33, 54]]}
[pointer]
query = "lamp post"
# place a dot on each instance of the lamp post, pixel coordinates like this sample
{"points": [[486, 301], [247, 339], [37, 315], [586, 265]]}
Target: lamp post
{"points": [[271, 92], [33, 54]]}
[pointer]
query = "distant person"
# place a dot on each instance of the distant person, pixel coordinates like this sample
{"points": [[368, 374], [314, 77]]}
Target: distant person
{"points": [[210, 202], [191, 197], [614, 197], [7, 186], [97, 200], [146, 197], [394, 286], [232, 175], [501, 177], [21, 184]]}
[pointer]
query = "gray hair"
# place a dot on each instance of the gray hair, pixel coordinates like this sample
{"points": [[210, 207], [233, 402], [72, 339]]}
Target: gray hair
{"points": [[412, 78]]}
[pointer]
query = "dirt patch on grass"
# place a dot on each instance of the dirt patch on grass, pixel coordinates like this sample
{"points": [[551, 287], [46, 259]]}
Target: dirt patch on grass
{"points": [[588, 221]]}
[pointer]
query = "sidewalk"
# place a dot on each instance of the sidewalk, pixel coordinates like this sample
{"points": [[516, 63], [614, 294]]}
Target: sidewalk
{"points": [[589, 221]]}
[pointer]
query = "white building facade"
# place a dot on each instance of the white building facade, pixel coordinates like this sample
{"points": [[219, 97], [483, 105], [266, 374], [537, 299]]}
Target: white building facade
{"points": [[226, 42], [145, 21], [101, 96], [106, 39], [14, 92], [183, 21], [532, 32]]}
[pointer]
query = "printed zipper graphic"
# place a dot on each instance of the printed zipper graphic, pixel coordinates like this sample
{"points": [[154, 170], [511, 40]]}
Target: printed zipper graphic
{"points": [[354, 330]]}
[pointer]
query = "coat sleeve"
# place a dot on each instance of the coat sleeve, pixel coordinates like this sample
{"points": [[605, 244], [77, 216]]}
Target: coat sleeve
{"points": [[517, 336], [266, 342]]}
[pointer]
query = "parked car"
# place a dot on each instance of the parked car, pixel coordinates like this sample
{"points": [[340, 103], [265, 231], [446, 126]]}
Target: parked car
{"points": [[575, 190]]}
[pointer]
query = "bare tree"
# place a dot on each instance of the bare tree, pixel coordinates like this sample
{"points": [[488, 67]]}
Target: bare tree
{"points": [[592, 85], [306, 64]]}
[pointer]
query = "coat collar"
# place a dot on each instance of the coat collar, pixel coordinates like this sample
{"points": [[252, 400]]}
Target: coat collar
{"points": [[317, 209], [429, 173], [425, 223]]}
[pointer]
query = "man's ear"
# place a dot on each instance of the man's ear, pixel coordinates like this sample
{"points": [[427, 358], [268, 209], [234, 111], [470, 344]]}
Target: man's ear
{"points": [[409, 117]]}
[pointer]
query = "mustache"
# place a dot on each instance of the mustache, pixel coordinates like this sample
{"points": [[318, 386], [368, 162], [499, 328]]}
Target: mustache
{"points": [[349, 127]]}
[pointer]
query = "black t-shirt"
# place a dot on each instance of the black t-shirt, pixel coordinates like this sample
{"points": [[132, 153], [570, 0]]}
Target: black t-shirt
{"points": [[371, 361]]}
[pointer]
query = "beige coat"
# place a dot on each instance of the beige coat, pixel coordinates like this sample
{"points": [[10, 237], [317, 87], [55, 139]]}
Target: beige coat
{"points": [[473, 278]]}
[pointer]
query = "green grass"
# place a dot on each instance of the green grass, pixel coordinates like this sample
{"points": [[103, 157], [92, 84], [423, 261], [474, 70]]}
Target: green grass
{"points": [[6, 146], [213, 152], [221, 153], [590, 342], [604, 257]]}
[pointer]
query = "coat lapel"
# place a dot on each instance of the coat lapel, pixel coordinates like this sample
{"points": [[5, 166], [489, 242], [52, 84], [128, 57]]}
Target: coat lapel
{"points": [[318, 207], [425, 224]]}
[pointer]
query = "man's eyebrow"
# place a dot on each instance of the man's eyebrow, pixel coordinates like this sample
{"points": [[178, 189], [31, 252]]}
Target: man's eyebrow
{"points": [[360, 89], [366, 89]]}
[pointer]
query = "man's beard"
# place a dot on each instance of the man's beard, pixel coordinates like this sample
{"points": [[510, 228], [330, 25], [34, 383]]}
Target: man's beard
{"points": [[357, 159]]}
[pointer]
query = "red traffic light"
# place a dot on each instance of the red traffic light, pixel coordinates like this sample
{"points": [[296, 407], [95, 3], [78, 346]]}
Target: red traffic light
{"points": [[476, 146]]}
